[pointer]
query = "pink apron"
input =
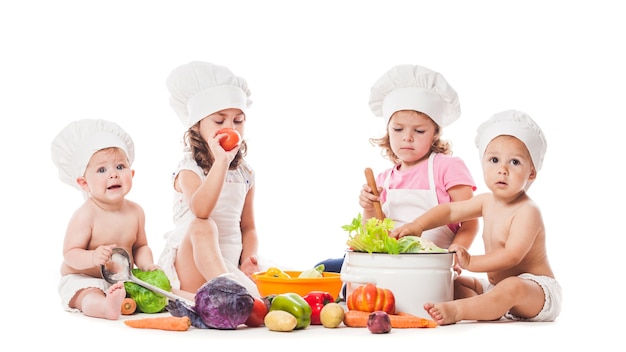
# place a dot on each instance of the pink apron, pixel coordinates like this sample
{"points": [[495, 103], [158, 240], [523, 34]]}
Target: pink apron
{"points": [[404, 205]]}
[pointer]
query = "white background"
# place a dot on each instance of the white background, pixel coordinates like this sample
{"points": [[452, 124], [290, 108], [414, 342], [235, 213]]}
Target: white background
{"points": [[310, 66]]}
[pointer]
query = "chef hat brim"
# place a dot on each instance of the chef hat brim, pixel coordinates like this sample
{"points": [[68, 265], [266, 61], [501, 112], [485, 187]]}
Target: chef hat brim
{"points": [[199, 89], [517, 124], [413, 87], [73, 147]]}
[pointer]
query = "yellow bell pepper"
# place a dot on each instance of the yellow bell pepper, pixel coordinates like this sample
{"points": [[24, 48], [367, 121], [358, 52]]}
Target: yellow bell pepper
{"points": [[276, 272]]}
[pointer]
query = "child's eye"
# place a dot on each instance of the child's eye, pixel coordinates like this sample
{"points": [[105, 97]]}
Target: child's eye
{"points": [[515, 162], [101, 170], [121, 167], [396, 129], [493, 160], [420, 131]]}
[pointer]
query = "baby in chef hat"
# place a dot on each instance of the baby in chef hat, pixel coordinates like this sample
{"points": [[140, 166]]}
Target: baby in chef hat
{"points": [[95, 157], [519, 125], [512, 149], [416, 103]]}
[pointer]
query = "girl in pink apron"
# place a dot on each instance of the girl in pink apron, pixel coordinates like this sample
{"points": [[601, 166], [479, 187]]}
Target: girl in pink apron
{"points": [[416, 103]]}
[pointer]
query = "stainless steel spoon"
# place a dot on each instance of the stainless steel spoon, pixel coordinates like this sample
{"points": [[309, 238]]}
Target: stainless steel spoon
{"points": [[119, 268]]}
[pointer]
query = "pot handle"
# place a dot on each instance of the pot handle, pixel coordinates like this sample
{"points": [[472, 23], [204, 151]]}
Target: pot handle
{"points": [[357, 279]]}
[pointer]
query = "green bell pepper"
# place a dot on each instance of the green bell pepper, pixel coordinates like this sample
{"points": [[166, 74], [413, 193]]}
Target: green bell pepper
{"points": [[295, 305]]}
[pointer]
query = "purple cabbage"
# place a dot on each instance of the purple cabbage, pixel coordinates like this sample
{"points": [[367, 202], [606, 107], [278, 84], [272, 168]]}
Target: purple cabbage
{"points": [[223, 303], [179, 308]]}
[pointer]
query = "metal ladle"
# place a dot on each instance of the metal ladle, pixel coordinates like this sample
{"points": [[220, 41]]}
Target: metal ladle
{"points": [[119, 268]]}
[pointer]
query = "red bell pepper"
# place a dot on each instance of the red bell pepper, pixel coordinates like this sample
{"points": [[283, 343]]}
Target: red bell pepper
{"points": [[317, 300]]}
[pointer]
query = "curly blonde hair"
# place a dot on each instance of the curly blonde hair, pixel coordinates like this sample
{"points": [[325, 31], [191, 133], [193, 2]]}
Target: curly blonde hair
{"points": [[200, 150], [438, 146]]}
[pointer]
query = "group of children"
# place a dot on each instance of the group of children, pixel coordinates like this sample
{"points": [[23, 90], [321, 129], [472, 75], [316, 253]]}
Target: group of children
{"points": [[428, 192]]}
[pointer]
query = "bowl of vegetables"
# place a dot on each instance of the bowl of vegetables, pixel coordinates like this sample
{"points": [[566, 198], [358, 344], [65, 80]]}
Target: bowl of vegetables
{"points": [[276, 281]]}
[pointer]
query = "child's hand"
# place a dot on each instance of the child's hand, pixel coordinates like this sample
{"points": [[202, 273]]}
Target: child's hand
{"points": [[461, 254], [249, 266], [457, 269], [151, 267], [367, 198], [218, 151], [102, 254], [410, 229]]}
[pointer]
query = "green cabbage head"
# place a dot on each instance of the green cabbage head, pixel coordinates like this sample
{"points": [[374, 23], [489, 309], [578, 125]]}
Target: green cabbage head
{"points": [[148, 301]]}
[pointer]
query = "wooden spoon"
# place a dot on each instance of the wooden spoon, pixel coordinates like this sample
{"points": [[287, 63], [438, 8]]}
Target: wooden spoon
{"points": [[371, 181]]}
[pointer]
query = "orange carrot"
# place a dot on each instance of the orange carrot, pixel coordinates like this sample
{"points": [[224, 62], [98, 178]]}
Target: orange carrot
{"points": [[129, 306], [171, 323], [358, 319]]}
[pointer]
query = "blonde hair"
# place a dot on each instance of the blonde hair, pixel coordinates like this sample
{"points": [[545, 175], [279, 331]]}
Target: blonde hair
{"points": [[438, 145]]}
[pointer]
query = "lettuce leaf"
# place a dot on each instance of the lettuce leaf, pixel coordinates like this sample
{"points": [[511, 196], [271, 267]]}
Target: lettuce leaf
{"points": [[373, 237], [415, 244]]}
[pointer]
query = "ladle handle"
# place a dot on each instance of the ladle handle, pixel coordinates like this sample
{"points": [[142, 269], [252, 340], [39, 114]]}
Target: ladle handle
{"points": [[160, 291], [371, 181]]}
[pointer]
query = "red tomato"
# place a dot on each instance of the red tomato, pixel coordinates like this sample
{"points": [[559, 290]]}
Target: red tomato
{"points": [[231, 140], [259, 310]]}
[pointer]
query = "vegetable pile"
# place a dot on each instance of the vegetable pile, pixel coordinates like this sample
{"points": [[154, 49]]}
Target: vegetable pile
{"points": [[318, 271], [295, 305], [373, 237], [374, 307], [317, 300]]}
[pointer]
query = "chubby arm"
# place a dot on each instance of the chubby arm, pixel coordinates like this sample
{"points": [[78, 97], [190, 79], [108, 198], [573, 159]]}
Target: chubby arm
{"points": [[469, 228], [442, 214], [76, 252], [203, 195], [142, 254], [249, 238]]}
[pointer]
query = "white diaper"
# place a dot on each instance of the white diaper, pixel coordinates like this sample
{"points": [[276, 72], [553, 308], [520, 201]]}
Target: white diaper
{"points": [[552, 301], [70, 284]]}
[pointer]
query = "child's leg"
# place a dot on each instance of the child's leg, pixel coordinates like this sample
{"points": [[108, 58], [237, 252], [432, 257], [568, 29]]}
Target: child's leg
{"points": [[198, 258], [523, 297], [466, 286], [95, 303]]}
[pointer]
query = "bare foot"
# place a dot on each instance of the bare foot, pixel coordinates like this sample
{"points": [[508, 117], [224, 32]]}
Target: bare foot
{"points": [[113, 303], [442, 313]]}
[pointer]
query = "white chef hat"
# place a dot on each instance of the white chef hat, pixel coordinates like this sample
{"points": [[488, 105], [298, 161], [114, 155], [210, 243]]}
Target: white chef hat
{"points": [[73, 147], [199, 89], [517, 124], [413, 87]]}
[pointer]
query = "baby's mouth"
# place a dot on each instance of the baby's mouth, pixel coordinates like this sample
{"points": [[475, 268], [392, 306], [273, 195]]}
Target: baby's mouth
{"points": [[114, 187]]}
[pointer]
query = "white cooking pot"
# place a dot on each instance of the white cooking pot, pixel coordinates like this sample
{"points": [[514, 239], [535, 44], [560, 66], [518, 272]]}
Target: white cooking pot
{"points": [[413, 278]]}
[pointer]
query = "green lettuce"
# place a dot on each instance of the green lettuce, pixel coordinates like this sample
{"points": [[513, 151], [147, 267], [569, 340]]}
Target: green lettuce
{"points": [[373, 237], [415, 244], [148, 301]]}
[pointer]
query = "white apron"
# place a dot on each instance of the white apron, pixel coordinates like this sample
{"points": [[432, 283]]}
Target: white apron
{"points": [[227, 217], [405, 205]]}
